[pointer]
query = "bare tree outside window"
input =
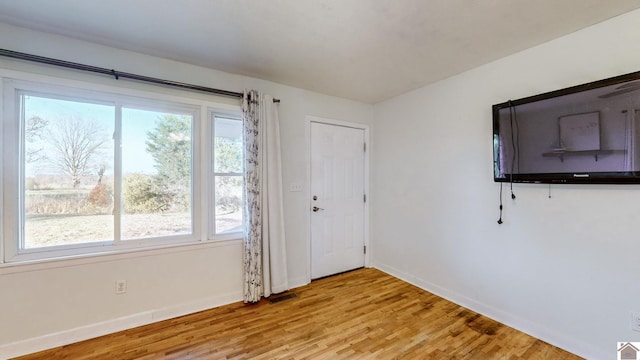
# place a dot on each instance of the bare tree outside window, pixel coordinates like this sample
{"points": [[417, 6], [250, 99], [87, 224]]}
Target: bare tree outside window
{"points": [[76, 146], [33, 134]]}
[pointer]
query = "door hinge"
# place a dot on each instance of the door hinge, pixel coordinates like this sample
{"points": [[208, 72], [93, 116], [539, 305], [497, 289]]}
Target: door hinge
{"points": [[364, 197], [365, 249], [364, 148]]}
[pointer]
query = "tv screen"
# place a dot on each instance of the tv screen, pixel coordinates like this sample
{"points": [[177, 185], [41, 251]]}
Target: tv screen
{"points": [[583, 134]]}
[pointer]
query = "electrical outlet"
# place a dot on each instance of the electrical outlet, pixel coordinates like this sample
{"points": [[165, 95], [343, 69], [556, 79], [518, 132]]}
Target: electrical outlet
{"points": [[121, 286], [635, 321]]}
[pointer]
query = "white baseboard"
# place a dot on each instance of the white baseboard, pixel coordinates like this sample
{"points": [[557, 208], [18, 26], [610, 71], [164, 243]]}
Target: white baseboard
{"points": [[536, 330], [90, 331], [297, 282]]}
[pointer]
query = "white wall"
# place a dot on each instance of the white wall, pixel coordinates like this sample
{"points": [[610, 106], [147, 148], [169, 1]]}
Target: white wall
{"points": [[563, 269], [42, 306]]}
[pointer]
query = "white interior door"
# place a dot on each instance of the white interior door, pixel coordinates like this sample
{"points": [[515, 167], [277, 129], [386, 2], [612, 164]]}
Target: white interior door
{"points": [[337, 199]]}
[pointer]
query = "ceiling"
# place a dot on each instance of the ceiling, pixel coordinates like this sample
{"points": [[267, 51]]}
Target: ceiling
{"points": [[365, 50]]}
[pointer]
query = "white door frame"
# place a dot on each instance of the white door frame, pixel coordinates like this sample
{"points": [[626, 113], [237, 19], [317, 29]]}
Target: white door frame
{"points": [[315, 119]]}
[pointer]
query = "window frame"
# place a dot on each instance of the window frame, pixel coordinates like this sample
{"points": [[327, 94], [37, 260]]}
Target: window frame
{"points": [[12, 179]]}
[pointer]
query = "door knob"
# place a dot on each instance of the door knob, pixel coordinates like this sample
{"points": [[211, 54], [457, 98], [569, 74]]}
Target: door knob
{"points": [[315, 209]]}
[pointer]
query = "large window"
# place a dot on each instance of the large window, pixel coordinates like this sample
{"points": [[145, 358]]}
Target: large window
{"points": [[91, 171], [68, 161]]}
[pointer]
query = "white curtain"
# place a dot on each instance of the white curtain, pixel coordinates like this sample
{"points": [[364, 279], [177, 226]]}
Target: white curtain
{"points": [[265, 263]]}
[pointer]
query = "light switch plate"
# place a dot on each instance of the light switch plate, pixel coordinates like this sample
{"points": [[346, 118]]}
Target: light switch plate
{"points": [[635, 321], [121, 286]]}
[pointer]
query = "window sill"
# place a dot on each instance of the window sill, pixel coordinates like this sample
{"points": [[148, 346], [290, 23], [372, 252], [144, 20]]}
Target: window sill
{"points": [[107, 256]]}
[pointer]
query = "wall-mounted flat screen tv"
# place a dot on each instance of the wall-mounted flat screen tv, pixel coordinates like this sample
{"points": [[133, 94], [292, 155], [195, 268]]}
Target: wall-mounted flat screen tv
{"points": [[583, 134]]}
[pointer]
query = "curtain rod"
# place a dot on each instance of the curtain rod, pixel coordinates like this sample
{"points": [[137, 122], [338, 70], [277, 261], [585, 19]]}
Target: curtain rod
{"points": [[117, 74]]}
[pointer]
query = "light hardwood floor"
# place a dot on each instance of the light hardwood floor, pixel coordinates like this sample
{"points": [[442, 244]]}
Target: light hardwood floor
{"points": [[363, 314]]}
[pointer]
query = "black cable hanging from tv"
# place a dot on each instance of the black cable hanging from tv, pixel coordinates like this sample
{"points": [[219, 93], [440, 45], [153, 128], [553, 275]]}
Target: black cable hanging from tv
{"points": [[117, 74], [500, 218], [513, 122]]}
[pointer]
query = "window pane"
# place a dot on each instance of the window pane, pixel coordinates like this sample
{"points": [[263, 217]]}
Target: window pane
{"points": [[227, 145], [157, 174], [68, 172], [228, 203]]}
